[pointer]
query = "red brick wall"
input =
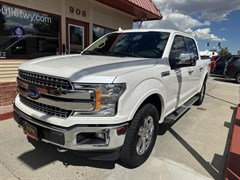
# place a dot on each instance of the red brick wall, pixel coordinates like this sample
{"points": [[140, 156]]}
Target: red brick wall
{"points": [[7, 93]]}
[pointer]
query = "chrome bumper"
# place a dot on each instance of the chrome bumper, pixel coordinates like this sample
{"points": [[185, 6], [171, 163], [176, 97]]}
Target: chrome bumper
{"points": [[74, 137]]}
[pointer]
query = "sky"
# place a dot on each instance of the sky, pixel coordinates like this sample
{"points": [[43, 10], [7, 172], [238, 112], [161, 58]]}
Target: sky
{"points": [[209, 21]]}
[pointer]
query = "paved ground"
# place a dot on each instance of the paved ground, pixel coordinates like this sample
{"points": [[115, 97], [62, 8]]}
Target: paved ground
{"points": [[6, 112], [195, 147]]}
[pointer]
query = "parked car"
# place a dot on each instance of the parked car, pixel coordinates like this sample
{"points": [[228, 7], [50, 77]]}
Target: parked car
{"points": [[232, 68], [206, 60], [213, 63], [220, 65], [211, 56]]}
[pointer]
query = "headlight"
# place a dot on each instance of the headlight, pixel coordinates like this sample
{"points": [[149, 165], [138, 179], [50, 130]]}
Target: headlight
{"points": [[106, 97]]}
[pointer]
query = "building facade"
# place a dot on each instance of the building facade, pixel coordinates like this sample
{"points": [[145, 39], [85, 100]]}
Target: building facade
{"points": [[36, 28]]}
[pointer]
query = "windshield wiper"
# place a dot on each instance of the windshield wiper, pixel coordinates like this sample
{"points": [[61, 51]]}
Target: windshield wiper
{"points": [[108, 53], [121, 54]]}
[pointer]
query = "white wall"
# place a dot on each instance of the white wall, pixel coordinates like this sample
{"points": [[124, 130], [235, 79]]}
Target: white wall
{"points": [[111, 18]]}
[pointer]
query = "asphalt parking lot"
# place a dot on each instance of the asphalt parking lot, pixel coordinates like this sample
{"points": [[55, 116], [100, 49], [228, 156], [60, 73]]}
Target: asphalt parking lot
{"points": [[195, 147]]}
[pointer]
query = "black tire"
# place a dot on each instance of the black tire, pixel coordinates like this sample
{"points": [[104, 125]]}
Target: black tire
{"points": [[201, 95], [132, 154], [238, 78]]}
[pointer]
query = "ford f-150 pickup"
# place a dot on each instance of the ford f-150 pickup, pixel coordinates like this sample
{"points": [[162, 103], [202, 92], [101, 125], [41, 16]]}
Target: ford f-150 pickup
{"points": [[109, 99]]}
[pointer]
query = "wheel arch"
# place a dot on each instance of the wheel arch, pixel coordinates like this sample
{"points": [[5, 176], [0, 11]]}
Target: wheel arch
{"points": [[236, 76], [150, 90], [206, 75], [155, 99]]}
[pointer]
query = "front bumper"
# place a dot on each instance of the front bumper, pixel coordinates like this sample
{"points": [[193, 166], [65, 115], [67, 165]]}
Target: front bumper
{"points": [[77, 137]]}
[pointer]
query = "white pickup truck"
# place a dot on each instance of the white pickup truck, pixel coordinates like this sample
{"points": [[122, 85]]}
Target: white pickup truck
{"points": [[109, 100]]}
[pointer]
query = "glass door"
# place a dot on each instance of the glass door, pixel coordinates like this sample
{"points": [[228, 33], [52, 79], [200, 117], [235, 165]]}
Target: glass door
{"points": [[75, 38]]}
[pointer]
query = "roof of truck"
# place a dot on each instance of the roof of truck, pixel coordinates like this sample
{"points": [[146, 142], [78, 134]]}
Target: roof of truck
{"points": [[172, 31], [150, 30]]}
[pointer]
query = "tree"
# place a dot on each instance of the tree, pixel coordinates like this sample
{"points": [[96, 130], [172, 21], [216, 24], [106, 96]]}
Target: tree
{"points": [[224, 52]]}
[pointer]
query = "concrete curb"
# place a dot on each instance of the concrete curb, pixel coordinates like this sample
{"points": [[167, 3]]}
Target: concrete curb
{"points": [[6, 116], [233, 163], [6, 112]]}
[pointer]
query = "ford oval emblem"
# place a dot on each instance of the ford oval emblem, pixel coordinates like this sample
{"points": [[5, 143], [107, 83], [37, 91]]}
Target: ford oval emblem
{"points": [[32, 92]]}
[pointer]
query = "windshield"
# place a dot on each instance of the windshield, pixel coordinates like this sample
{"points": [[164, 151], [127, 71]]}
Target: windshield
{"points": [[131, 44], [5, 42]]}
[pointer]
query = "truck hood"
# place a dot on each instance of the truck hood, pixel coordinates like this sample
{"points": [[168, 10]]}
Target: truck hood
{"points": [[87, 68]]}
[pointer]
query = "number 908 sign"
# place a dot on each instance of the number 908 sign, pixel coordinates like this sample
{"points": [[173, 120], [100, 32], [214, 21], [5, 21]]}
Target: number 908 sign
{"points": [[77, 11]]}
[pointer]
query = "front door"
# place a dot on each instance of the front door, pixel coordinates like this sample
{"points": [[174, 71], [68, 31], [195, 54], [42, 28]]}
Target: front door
{"points": [[184, 80], [77, 36]]}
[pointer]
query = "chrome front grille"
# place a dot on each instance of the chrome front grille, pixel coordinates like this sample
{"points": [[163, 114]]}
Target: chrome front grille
{"points": [[51, 110], [45, 80]]}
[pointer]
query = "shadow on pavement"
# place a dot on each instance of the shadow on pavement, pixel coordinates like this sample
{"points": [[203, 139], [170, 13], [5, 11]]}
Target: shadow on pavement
{"points": [[221, 99], [46, 154], [226, 80], [218, 165]]}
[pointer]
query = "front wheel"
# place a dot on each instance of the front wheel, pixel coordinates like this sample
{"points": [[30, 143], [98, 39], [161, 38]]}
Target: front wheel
{"points": [[201, 95], [140, 137], [238, 78]]}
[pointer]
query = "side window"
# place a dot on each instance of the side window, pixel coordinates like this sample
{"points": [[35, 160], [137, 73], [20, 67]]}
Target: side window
{"points": [[191, 46], [178, 47]]}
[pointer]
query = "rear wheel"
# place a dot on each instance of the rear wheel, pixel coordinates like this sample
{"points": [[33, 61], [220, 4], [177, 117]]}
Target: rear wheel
{"points": [[140, 137], [238, 77], [201, 95]]}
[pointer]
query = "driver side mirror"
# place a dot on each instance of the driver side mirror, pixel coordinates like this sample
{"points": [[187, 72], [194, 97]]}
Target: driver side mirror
{"points": [[186, 59]]}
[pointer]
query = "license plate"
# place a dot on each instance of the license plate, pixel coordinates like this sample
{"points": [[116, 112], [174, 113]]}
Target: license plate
{"points": [[30, 131]]}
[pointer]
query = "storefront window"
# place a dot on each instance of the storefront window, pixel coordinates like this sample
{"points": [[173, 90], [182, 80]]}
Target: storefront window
{"points": [[99, 31], [27, 34], [76, 34]]}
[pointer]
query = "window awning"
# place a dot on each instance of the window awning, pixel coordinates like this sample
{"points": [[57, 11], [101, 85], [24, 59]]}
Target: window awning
{"points": [[140, 9]]}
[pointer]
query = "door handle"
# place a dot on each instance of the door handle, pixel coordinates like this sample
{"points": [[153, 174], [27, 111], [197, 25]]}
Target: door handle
{"points": [[201, 68], [190, 72], [165, 73]]}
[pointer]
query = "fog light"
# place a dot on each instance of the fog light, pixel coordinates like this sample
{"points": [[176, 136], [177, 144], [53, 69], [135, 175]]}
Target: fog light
{"points": [[122, 130], [100, 135]]}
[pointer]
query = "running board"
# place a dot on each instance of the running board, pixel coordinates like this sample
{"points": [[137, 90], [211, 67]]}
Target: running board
{"points": [[180, 111]]}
